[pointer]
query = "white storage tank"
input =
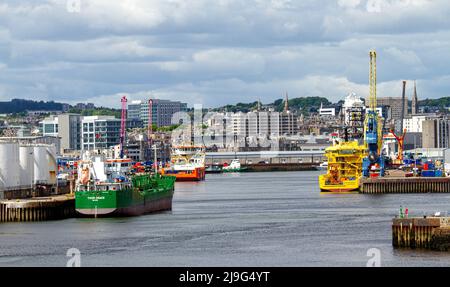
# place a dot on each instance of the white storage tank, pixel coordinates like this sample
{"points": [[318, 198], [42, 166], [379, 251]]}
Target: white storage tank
{"points": [[52, 163], [26, 162], [41, 168], [9, 166]]}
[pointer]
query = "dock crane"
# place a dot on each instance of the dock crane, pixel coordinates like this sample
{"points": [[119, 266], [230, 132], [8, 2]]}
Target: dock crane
{"points": [[400, 142], [123, 120], [373, 133]]}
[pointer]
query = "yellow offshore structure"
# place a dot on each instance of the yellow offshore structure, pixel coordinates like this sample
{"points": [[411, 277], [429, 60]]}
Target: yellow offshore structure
{"points": [[345, 159], [344, 167]]}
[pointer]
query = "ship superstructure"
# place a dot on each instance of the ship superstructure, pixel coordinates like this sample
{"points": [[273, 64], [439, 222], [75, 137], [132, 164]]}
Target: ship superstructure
{"points": [[187, 163]]}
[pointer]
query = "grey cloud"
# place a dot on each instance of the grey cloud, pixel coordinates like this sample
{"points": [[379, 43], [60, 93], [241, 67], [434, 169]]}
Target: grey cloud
{"points": [[218, 52]]}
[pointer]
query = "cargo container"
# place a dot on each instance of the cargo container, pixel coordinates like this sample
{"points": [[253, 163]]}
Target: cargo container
{"points": [[428, 173]]}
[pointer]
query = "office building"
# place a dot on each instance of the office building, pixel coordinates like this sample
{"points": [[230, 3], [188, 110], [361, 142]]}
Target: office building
{"points": [[99, 132], [163, 111], [395, 105], [413, 123], [65, 126], [436, 133]]}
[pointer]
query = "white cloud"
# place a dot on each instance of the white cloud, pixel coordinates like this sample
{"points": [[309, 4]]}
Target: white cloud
{"points": [[217, 52], [349, 3]]}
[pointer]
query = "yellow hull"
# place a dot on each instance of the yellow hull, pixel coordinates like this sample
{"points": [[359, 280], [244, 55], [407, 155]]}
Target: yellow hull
{"points": [[346, 186], [344, 167]]}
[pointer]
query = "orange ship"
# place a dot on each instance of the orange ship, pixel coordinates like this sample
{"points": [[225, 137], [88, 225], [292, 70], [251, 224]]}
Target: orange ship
{"points": [[187, 163]]}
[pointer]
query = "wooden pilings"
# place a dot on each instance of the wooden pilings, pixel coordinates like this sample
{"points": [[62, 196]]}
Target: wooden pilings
{"points": [[405, 185], [37, 209], [428, 233]]}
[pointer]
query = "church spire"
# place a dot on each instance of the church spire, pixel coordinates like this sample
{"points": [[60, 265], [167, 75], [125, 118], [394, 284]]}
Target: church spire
{"points": [[286, 103], [414, 104]]}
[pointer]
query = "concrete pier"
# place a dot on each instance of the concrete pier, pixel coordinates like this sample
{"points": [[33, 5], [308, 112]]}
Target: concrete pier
{"points": [[405, 185], [426, 232], [37, 209], [279, 167]]}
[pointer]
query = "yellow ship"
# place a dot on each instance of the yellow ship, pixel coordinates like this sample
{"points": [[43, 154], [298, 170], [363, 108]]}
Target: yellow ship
{"points": [[344, 167]]}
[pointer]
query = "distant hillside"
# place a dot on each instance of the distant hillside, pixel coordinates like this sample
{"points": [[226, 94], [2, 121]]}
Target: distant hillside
{"points": [[239, 107], [441, 102], [304, 105], [96, 112], [18, 106]]}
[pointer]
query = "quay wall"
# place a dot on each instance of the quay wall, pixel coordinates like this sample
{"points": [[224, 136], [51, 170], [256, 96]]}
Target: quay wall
{"points": [[272, 157], [425, 233], [37, 209], [280, 167], [405, 185]]}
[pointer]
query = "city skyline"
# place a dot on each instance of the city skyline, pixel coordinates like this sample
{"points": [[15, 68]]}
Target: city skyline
{"points": [[215, 53]]}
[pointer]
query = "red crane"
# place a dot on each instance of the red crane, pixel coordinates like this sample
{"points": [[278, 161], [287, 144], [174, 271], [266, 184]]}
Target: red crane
{"points": [[400, 141], [123, 120]]}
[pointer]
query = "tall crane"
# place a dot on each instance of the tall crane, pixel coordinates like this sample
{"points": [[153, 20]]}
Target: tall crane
{"points": [[123, 120], [373, 132]]}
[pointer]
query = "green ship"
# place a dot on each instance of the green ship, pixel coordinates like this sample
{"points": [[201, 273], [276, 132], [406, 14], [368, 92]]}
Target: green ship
{"points": [[107, 188]]}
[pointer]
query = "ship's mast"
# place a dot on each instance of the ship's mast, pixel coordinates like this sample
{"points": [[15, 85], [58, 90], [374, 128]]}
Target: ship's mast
{"points": [[150, 124], [123, 124], [156, 159]]}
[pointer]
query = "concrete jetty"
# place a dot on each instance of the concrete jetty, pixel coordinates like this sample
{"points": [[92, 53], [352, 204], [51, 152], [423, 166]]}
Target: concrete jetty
{"points": [[421, 232], [37, 209], [382, 185], [260, 167]]}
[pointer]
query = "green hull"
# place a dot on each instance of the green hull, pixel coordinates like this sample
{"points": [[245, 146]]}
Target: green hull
{"points": [[147, 194]]}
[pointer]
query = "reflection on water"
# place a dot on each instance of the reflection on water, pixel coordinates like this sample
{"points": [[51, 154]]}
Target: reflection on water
{"points": [[262, 219]]}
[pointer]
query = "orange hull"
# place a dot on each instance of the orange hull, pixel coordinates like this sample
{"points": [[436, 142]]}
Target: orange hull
{"points": [[197, 174]]}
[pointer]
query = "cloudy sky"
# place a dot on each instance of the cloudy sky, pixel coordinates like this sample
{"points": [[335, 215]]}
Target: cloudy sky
{"points": [[214, 52]]}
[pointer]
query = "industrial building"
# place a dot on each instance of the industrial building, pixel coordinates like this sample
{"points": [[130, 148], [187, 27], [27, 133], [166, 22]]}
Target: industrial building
{"points": [[24, 167], [394, 105], [436, 133], [413, 123]]}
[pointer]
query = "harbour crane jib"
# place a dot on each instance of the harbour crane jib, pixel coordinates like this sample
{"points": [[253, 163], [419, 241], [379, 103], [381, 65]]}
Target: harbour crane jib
{"points": [[373, 126]]}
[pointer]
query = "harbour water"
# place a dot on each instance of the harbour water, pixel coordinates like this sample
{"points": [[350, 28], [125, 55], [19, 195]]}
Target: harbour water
{"points": [[247, 219]]}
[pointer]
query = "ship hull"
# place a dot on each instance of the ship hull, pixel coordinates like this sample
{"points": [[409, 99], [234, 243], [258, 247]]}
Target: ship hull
{"points": [[126, 202], [198, 174], [346, 186], [338, 190], [242, 169], [157, 205]]}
